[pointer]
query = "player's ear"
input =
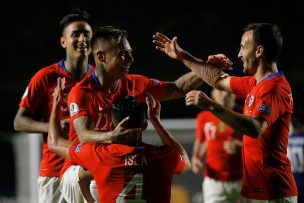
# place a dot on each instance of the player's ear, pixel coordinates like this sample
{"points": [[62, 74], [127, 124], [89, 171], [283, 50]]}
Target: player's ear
{"points": [[63, 42], [259, 51], [101, 56]]}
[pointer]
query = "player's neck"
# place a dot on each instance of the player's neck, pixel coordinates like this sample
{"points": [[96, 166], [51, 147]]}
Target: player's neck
{"points": [[77, 68], [264, 70]]}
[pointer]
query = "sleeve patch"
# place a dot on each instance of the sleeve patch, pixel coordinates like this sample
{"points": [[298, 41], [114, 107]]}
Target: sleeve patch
{"points": [[74, 109], [77, 148], [265, 109]]}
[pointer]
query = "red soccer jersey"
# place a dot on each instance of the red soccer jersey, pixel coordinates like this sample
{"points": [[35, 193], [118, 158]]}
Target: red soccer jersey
{"points": [[219, 165], [266, 168], [38, 99], [88, 98], [130, 173]]}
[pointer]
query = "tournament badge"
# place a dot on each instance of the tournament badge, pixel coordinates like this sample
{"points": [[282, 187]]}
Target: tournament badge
{"points": [[251, 100]]}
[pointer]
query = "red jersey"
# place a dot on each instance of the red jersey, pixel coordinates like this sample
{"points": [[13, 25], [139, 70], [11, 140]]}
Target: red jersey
{"points": [[219, 165], [266, 168], [141, 174], [88, 98], [38, 99]]}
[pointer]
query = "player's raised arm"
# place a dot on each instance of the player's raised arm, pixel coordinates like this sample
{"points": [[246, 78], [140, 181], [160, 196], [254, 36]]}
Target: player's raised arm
{"points": [[165, 136], [56, 142]]}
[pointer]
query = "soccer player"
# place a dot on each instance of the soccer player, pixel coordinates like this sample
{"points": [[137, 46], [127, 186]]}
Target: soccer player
{"points": [[90, 100], [217, 151], [267, 111], [136, 172], [35, 106]]}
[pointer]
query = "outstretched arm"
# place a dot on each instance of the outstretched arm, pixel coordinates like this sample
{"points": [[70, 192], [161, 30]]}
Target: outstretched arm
{"points": [[247, 125], [119, 135], [180, 87], [211, 72], [165, 136], [56, 142]]}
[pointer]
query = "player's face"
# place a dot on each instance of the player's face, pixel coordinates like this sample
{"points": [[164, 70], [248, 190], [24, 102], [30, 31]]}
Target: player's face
{"points": [[119, 60], [247, 53], [76, 39]]}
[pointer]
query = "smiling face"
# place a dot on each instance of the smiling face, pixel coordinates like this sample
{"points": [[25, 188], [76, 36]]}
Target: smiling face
{"points": [[118, 59], [247, 53], [76, 39]]}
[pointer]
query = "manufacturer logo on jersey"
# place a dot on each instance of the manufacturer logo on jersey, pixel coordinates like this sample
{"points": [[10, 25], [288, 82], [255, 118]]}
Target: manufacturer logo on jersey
{"points": [[25, 93], [73, 109], [251, 100], [265, 109], [77, 149]]}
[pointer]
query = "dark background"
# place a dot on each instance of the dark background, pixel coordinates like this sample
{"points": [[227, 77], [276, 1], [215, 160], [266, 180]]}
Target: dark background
{"points": [[30, 41]]}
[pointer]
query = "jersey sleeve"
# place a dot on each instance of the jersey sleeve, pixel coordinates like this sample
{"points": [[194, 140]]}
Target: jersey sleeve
{"points": [[267, 104], [79, 102], [174, 161], [34, 94], [241, 85], [83, 155], [150, 85]]}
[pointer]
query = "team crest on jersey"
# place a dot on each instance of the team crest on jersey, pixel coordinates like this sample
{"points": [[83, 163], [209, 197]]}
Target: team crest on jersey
{"points": [[25, 93], [265, 109], [77, 149], [73, 109], [251, 100]]}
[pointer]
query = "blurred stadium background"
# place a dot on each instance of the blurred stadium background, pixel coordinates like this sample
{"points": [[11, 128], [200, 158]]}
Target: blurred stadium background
{"points": [[30, 40]]}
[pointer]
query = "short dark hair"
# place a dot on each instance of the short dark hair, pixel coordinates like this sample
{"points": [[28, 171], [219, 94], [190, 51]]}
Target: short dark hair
{"points": [[108, 33], [74, 15], [269, 36], [128, 106]]}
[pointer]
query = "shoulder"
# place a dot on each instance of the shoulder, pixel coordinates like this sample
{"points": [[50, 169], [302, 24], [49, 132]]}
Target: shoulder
{"points": [[203, 115], [46, 72]]}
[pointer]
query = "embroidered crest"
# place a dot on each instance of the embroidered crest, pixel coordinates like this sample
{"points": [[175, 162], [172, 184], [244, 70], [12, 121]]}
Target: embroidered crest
{"points": [[251, 100]]}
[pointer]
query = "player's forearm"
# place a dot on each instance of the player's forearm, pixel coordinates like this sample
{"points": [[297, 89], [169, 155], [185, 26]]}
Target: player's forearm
{"points": [[206, 71], [241, 123], [182, 85], [56, 142], [169, 140], [27, 124], [95, 136]]}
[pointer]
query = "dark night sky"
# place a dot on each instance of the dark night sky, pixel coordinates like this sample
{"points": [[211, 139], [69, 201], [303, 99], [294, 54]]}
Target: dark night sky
{"points": [[30, 37]]}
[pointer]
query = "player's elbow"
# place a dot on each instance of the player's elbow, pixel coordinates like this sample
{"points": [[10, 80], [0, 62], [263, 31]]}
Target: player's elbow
{"points": [[17, 123], [82, 138], [52, 146]]}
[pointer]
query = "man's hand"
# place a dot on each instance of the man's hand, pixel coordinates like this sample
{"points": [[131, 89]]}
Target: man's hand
{"points": [[196, 164], [199, 99], [220, 60], [168, 46], [154, 107], [58, 92], [122, 135]]}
